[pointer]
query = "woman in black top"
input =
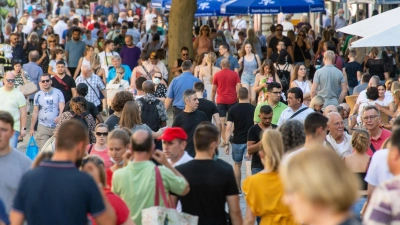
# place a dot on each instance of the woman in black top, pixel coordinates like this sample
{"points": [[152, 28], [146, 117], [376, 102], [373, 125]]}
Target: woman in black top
{"points": [[44, 55], [376, 66], [283, 69], [32, 43], [301, 48]]}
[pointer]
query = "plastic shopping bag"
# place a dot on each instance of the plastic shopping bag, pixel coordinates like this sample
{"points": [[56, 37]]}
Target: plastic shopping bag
{"points": [[32, 149]]}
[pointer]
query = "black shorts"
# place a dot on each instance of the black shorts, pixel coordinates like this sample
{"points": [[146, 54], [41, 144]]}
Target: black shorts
{"points": [[224, 108]]}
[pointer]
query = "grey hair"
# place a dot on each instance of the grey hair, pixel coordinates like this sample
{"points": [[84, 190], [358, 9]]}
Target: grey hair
{"points": [[116, 57], [33, 56], [293, 135], [369, 107], [186, 65], [188, 93], [376, 78]]}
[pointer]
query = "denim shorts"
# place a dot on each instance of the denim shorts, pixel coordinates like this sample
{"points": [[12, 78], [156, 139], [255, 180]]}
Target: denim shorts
{"points": [[239, 152], [248, 79]]}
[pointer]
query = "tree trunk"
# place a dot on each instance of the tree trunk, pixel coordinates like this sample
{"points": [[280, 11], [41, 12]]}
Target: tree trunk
{"points": [[181, 19]]}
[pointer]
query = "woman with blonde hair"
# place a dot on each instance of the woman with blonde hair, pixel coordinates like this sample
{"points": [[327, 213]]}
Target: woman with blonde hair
{"points": [[207, 73], [266, 75], [317, 103], [85, 59], [319, 188], [255, 41], [358, 163], [131, 119], [325, 38], [95, 65], [299, 79], [53, 45], [203, 42], [267, 185], [32, 44]]}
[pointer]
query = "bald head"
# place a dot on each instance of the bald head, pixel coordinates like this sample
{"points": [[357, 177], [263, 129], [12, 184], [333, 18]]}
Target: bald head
{"points": [[148, 87], [335, 125], [142, 141], [225, 63], [33, 56], [9, 75], [329, 109]]}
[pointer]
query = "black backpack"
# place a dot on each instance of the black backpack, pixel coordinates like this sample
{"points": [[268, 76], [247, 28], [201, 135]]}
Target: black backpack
{"points": [[81, 118], [150, 115]]}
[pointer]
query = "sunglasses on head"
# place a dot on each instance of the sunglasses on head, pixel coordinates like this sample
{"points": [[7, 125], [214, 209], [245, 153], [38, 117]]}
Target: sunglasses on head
{"points": [[105, 134], [45, 81]]}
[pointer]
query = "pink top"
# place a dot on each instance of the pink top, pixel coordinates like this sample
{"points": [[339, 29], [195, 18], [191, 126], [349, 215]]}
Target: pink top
{"points": [[204, 45], [102, 154], [378, 143]]}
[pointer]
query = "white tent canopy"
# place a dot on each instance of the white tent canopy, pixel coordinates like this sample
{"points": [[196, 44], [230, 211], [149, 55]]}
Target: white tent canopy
{"points": [[374, 25], [389, 37]]}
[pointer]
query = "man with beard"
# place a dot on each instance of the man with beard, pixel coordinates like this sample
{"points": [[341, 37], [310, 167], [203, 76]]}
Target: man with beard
{"points": [[71, 195], [66, 84], [177, 67], [17, 48], [129, 53], [74, 50]]}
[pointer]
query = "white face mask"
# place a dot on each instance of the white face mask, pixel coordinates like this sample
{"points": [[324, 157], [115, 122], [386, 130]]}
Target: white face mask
{"points": [[113, 161], [156, 81]]}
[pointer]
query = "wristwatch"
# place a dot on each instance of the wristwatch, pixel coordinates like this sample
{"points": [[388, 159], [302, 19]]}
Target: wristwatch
{"points": [[24, 128]]}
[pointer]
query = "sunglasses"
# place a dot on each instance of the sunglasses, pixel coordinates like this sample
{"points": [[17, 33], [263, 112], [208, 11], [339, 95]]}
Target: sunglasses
{"points": [[45, 81], [158, 78], [51, 41], [105, 134], [185, 54], [120, 72], [279, 29], [10, 80]]}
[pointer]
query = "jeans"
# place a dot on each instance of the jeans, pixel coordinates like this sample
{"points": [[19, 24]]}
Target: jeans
{"points": [[239, 152], [14, 139], [351, 90], [357, 207]]}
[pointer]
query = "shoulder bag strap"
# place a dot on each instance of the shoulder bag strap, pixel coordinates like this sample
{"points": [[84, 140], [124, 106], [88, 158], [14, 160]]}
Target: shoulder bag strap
{"points": [[92, 89], [90, 149], [298, 112], [23, 78], [62, 82], [372, 148], [238, 23], [105, 56], [147, 72], [160, 188], [301, 52]]}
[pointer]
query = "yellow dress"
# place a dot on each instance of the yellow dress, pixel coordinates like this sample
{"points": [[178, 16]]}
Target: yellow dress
{"points": [[263, 194]]}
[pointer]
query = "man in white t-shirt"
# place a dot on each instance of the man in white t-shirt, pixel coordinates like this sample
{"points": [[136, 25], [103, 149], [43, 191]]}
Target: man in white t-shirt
{"points": [[296, 110], [287, 24], [238, 24], [149, 18], [106, 56], [174, 144]]}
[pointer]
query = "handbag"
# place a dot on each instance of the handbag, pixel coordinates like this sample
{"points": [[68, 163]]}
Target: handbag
{"points": [[306, 61], [159, 215], [28, 88], [32, 149]]}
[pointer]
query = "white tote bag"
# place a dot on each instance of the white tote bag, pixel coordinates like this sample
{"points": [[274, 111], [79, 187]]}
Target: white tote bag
{"points": [[159, 215]]}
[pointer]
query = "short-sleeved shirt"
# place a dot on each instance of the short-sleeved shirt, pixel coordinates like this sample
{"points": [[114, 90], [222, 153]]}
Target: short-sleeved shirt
{"points": [[226, 81], [178, 86], [95, 85], [12, 167], [138, 191], [208, 190], [383, 208], [130, 56], [329, 80], [189, 122], [208, 107], [112, 122], [68, 198], [12, 101], [254, 134], [48, 106], [119, 206], [385, 134], [234, 64], [240, 116], [378, 170], [75, 51], [277, 111], [274, 42], [376, 67], [288, 112], [351, 69], [65, 89]]}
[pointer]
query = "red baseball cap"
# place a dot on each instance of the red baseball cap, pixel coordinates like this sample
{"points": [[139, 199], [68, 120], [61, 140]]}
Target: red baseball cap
{"points": [[172, 133]]}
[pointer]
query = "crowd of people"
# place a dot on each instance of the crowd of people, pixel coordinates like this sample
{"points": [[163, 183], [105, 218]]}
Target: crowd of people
{"points": [[315, 121]]}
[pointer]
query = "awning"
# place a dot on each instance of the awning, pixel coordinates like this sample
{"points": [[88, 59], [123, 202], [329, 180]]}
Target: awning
{"points": [[374, 25], [389, 37]]}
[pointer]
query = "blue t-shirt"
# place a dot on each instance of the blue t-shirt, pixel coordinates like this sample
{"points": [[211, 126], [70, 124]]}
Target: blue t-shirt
{"points": [[75, 51], [58, 193], [48, 106], [127, 76], [179, 85], [232, 60], [3, 214]]}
